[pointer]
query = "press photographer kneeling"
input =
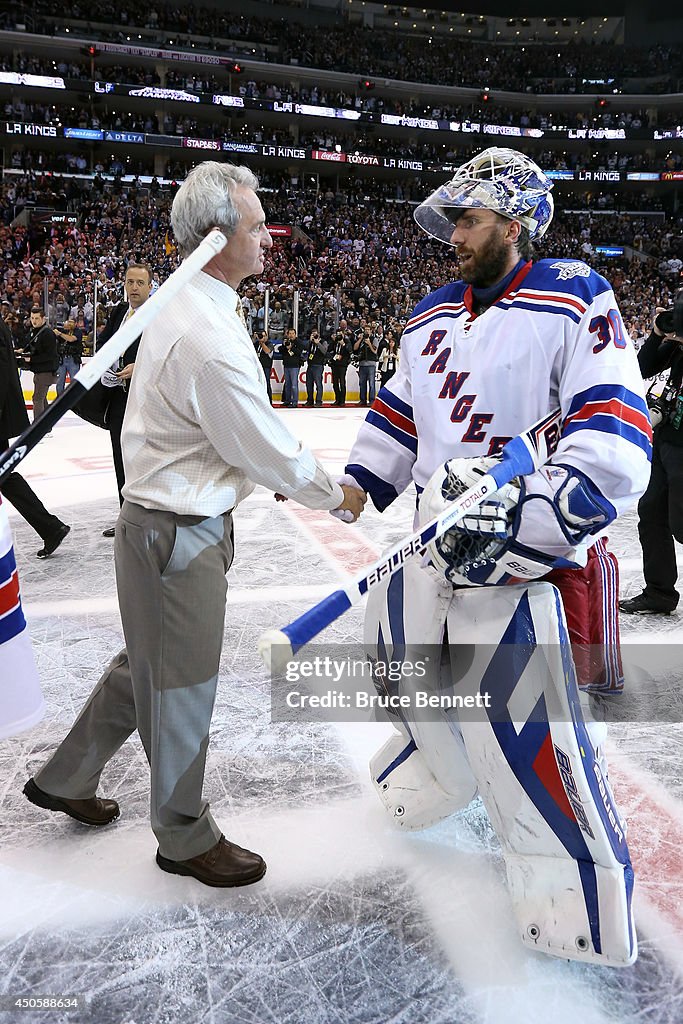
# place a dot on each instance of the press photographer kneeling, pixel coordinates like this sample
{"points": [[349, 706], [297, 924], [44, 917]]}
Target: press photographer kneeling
{"points": [[660, 510]]}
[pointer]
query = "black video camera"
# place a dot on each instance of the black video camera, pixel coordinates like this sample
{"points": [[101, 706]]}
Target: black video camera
{"points": [[671, 320], [662, 407]]}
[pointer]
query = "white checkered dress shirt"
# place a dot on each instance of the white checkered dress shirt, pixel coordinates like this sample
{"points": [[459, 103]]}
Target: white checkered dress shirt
{"points": [[199, 431]]}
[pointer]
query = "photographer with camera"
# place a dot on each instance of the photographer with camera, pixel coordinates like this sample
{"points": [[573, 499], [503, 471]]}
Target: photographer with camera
{"points": [[315, 365], [70, 350], [365, 351], [264, 350], [14, 323], [339, 357], [40, 356], [292, 356], [660, 510]]}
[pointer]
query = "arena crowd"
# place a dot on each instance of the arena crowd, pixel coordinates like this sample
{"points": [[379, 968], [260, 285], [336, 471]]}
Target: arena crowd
{"points": [[391, 53], [351, 256]]}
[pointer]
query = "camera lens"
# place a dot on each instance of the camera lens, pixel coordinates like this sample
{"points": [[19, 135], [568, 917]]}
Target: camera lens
{"points": [[665, 321]]}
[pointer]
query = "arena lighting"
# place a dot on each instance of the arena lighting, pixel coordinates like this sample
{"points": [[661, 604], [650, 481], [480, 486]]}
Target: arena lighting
{"points": [[367, 84], [485, 96], [90, 51]]}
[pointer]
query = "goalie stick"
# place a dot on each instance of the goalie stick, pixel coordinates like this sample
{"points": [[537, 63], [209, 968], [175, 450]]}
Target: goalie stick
{"points": [[520, 456], [91, 371]]}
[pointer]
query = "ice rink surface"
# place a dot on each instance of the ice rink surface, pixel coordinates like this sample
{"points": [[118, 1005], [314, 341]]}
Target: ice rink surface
{"points": [[355, 922]]}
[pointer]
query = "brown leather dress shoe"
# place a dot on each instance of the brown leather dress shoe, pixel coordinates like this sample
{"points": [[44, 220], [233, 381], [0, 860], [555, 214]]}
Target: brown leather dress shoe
{"points": [[223, 865], [91, 812]]}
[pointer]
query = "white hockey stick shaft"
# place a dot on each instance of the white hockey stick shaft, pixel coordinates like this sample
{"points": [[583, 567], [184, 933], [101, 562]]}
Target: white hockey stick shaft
{"points": [[91, 371], [520, 456]]}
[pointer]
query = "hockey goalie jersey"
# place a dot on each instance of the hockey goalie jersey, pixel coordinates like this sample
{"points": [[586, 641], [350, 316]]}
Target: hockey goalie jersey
{"points": [[467, 384], [21, 700]]}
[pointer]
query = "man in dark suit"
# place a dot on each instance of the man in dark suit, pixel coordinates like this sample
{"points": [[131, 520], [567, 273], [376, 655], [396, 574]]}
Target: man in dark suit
{"points": [[339, 356], [13, 421], [317, 348], [43, 359], [291, 355], [138, 285]]}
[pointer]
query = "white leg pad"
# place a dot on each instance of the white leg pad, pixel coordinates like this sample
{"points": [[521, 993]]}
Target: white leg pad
{"points": [[422, 775], [408, 609], [550, 907], [541, 782], [408, 788]]}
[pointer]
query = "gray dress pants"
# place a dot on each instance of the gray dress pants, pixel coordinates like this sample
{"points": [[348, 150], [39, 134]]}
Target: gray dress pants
{"points": [[170, 575]]}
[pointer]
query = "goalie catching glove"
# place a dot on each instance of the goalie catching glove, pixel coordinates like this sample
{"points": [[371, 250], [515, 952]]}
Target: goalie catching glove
{"points": [[528, 527]]}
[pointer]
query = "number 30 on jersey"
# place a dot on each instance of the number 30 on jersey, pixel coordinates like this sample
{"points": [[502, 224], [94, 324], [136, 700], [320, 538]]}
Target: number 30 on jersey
{"points": [[608, 328]]}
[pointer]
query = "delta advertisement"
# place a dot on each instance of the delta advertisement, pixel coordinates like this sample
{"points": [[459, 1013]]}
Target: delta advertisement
{"points": [[288, 153], [217, 145]]}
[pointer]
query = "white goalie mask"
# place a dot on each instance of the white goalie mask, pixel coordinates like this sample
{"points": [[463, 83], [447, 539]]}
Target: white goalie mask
{"points": [[502, 180]]}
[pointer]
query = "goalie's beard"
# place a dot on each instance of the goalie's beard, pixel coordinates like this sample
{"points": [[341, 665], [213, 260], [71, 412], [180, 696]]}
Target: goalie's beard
{"points": [[489, 265]]}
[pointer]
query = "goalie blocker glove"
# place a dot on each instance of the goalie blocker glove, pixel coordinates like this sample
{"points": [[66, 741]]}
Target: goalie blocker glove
{"points": [[530, 526]]}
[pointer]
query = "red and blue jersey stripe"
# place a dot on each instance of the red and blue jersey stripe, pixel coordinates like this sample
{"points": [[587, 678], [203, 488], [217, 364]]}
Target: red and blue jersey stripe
{"points": [[611, 409], [542, 301], [394, 417], [444, 311], [12, 621]]}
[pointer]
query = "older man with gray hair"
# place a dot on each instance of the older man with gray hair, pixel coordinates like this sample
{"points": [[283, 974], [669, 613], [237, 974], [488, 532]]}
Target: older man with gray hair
{"points": [[197, 435]]}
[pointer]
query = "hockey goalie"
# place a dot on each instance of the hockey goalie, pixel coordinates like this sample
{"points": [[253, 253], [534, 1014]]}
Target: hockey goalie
{"points": [[21, 699], [504, 594]]}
